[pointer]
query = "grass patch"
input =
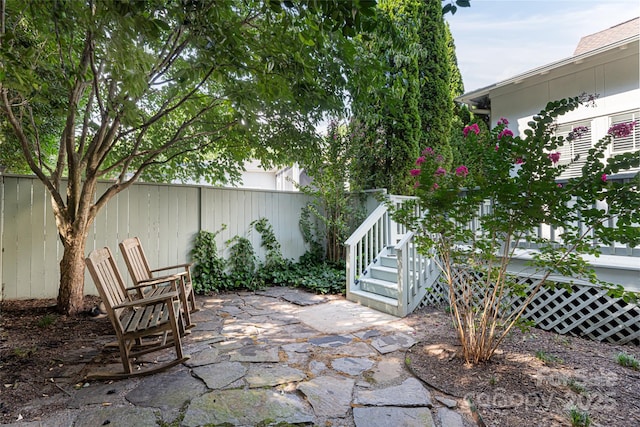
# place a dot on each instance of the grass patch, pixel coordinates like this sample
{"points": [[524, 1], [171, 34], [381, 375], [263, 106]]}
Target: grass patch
{"points": [[547, 358], [579, 418], [627, 360]]}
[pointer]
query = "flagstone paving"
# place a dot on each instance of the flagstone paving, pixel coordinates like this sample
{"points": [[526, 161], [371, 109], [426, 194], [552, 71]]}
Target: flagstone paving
{"points": [[279, 356]]}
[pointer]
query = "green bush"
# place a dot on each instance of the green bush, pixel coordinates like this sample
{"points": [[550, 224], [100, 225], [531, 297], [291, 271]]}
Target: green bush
{"points": [[242, 264], [243, 271], [209, 269]]}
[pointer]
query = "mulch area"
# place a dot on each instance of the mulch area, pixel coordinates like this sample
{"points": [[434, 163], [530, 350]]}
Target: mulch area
{"points": [[535, 378], [42, 353]]}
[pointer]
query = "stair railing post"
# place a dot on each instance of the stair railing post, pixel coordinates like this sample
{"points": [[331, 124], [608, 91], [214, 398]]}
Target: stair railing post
{"points": [[350, 273], [403, 264]]}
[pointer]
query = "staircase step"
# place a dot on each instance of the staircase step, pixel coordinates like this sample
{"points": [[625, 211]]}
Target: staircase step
{"points": [[380, 287], [378, 302], [389, 274], [389, 261]]}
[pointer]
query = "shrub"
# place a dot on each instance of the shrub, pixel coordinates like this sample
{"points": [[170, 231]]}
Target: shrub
{"points": [[209, 269]]}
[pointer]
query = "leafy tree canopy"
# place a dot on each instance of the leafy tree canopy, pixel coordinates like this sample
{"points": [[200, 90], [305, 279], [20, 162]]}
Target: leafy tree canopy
{"points": [[180, 89], [160, 90]]}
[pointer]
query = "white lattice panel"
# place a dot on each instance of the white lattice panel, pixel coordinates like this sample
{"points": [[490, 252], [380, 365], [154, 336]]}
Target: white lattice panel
{"points": [[585, 311]]}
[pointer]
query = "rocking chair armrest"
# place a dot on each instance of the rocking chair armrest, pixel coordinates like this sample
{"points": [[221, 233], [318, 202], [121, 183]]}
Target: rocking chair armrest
{"points": [[186, 265], [166, 297], [157, 280]]}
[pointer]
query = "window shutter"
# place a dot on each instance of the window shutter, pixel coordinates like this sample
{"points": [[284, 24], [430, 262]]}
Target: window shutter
{"points": [[630, 142], [577, 147]]}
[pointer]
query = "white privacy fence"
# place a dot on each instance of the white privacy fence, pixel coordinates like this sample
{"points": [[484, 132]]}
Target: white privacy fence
{"points": [[165, 217]]}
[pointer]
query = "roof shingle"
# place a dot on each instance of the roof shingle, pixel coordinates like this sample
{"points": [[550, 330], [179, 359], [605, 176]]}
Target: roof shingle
{"points": [[606, 37]]}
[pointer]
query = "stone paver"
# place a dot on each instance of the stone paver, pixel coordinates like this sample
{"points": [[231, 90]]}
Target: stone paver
{"points": [[275, 356], [410, 393], [255, 353], [391, 343], [272, 375], [117, 416], [392, 416], [449, 418], [329, 396], [352, 365], [246, 408], [220, 375], [166, 390]]}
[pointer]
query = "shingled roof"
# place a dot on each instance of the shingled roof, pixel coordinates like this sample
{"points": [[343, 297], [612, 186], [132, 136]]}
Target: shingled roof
{"points": [[606, 37]]}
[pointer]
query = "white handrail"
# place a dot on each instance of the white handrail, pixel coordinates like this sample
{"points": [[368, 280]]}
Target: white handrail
{"points": [[365, 244], [357, 235]]}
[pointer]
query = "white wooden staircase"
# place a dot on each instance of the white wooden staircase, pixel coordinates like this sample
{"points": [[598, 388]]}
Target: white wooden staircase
{"points": [[384, 269]]}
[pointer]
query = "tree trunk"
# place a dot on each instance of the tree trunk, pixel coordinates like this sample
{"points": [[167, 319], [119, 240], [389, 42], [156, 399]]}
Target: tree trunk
{"points": [[71, 291]]}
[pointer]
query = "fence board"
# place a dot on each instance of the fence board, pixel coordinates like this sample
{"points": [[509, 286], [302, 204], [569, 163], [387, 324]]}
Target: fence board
{"points": [[165, 217], [10, 240]]}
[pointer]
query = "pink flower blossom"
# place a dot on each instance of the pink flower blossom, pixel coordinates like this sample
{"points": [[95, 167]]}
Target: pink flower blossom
{"points": [[577, 132], [427, 151], [519, 161], [604, 177], [415, 172], [503, 121], [471, 128], [416, 185], [554, 157], [559, 185], [497, 147], [420, 160], [462, 171], [440, 172], [435, 186], [620, 130], [439, 158], [505, 132]]}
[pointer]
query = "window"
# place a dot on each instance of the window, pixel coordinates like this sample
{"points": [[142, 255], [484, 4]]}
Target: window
{"points": [[632, 141], [576, 146]]}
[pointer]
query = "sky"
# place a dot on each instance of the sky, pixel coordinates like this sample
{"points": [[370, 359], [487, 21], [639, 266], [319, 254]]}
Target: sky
{"points": [[498, 39]]}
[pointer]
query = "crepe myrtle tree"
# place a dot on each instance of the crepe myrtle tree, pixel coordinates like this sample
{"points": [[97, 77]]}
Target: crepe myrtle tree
{"points": [[518, 178], [161, 90]]}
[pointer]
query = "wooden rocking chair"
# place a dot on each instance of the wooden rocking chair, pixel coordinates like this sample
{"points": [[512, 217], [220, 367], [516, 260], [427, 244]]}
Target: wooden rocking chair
{"points": [[142, 275], [143, 325]]}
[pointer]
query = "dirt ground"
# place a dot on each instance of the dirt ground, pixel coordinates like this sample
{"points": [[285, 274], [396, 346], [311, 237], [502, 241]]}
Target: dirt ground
{"points": [[534, 380], [41, 352]]}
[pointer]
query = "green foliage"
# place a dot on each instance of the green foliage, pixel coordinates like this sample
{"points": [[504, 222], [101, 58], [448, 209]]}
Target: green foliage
{"points": [[547, 358], [310, 272], [318, 276], [575, 386], [456, 84], [579, 418], [274, 257], [242, 264], [310, 232], [275, 269], [335, 209], [163, 90], [516, 180], [242, 270], [23, 353], [209, 269], [46, 321], [452, 7], [402, 88], [386, 89], [435, 65], [628, 361]]}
